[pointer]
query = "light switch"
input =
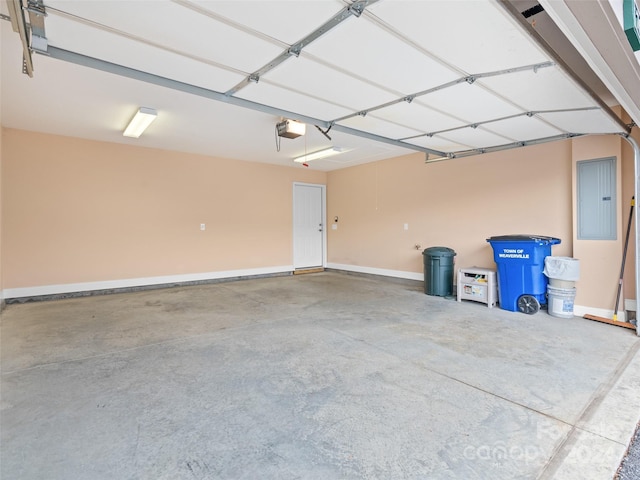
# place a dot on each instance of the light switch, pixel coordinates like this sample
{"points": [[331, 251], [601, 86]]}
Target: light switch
{"points": [[406, 226], [334, 226], [203, 226]]}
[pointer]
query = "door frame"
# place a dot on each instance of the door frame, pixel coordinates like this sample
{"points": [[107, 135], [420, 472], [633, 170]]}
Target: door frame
{"points": [[323, 190]]}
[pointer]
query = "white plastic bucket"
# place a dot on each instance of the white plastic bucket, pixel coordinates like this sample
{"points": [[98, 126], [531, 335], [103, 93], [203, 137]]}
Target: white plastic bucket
{"points": [[557, 283], [560, 301]]}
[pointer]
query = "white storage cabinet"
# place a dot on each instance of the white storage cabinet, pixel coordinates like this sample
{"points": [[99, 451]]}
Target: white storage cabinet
{"points": [[478, 284]]}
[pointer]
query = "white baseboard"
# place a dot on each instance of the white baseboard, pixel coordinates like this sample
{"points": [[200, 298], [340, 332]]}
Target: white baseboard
{"points": [[9, 293], [580, 311], [377, 271]]}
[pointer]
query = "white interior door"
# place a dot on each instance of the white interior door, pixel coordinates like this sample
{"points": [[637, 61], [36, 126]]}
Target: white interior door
{"points": [[308, 226]]}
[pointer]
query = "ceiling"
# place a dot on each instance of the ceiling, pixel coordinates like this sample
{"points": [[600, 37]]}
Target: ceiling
{"points": [[380, 78]]}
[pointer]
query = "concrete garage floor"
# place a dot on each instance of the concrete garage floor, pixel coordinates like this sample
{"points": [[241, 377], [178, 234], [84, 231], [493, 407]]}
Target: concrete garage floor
{"points": [[323, 376]]}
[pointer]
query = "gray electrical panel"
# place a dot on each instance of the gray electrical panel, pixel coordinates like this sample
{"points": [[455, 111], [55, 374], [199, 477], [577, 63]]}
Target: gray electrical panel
{"points": [[596, 184]]}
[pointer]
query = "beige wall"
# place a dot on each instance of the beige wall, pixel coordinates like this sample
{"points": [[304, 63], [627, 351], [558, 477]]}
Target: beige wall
{"points": [[602, 259], [460, 203], [628, 189], [599, 259], [1, 224], [77, 211], [1, 198], [457, 203], [84, 211]]}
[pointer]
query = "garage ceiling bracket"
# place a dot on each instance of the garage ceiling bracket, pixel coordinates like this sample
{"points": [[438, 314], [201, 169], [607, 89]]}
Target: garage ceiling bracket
{"points": [[470, 79], [37, 14], [102, 65], [19, 25], [355, 9]]}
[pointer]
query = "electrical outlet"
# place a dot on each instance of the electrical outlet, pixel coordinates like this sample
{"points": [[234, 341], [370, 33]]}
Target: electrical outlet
{"points": [[203, 226]]}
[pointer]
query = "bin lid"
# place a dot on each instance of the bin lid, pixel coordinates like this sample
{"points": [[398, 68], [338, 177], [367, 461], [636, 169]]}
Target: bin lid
{"points": [[439, 252], [525, 238]]}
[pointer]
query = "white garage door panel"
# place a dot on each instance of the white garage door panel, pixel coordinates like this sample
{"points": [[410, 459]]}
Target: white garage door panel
{"points": [[322, 82], [476, 137], [285, 20], [421, 117], [461, 51], [142, 56], [268, 93], [372, 124], [524, 128], [438, 143], [471, 103], [476, 36], [594, 121], [546, 89], [407, 71], [207, 38]]}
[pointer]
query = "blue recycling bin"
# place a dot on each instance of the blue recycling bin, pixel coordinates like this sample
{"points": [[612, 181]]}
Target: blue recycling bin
{"points": [[522, 286]]}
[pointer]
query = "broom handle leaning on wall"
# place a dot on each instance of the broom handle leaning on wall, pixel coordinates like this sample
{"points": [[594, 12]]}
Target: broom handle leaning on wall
{"points": [[624, 258]]}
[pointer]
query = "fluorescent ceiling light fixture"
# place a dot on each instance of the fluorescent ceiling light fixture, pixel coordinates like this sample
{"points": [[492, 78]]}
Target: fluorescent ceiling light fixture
{"points": [[139, 123], [327, 152]]}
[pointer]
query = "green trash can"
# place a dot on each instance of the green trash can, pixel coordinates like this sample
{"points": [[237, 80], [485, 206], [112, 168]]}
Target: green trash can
{"points": [[438, 271]]}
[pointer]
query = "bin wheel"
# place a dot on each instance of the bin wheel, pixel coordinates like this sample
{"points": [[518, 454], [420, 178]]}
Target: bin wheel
{"points": [[528, 304]]}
